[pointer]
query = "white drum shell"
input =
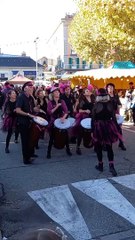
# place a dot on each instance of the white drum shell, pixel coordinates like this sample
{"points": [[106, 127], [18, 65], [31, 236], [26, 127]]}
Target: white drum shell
{"points": [[62, 125], [72, 121], [86, 123], [41, 121]]}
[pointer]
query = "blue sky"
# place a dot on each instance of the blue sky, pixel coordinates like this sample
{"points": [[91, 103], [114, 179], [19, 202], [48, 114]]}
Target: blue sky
{"points": [[22, 21]]}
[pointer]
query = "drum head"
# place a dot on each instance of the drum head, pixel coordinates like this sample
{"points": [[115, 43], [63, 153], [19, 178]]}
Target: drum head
{"points": [[41, 121], [72, 121], [86, 123], [120, 119], [62, 125]]}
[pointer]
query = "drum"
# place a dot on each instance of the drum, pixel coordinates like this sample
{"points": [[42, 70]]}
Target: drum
{"points": [[37, 126], [120, 119], [86, 125], [72, 121], [40, 121], [61, 133], [72, 138]]}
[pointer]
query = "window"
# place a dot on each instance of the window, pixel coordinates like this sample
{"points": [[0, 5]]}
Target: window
{"points": [[83, 64], [2, 75], [70, 60], [77, 62]]}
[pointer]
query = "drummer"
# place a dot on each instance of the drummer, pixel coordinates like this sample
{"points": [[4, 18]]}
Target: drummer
{"points": [[25, 108], [56, 109], [105, 130], [41, 103], [85, 106], [110, 87], [69, 99]]}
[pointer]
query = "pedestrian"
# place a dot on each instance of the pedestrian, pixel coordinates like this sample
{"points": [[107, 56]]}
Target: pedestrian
{"points": [[130, 102], [10, 118], [105, 130]]}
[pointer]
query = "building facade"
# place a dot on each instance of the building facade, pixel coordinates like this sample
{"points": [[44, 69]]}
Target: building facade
{"points": [[11, 65], [61, 50]]}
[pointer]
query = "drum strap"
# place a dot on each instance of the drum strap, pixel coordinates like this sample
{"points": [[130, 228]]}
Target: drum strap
{"points": [[40, 128]]}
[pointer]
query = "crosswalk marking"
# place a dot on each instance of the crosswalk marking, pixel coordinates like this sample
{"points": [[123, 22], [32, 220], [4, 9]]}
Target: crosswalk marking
{"points": [[127, 181], [106, 194], [59, 204]]}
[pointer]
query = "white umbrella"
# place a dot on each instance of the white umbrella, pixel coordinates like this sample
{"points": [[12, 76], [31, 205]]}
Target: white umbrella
{"points": [[19, 79]]}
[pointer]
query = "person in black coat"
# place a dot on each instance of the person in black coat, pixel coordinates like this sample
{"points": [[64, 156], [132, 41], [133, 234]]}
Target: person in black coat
{"points": [[105, 130]]}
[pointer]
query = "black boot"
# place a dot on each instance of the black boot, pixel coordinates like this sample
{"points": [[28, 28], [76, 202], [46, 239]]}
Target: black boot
{"points": [[7, 150], [68, 152], [78, 151], [112, 170], [48, 154], [122, 146], [99, 167]]}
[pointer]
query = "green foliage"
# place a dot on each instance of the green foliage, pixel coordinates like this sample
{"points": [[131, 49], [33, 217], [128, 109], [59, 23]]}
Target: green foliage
{"points": [[104, 30]]}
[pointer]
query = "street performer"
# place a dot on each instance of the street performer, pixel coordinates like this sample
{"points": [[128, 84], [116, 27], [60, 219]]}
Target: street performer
{"points": [[25, 109], [105, 130], [85, 106], [56, 109]]}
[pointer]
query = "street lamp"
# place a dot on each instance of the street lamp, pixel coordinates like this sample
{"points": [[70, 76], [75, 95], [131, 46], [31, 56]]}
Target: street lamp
{"points": [[36, 45]]}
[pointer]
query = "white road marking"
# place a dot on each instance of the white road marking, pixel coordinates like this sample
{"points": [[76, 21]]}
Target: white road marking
{"points": [[105, 193], [129, 130], [127, 181], [59, 204]]}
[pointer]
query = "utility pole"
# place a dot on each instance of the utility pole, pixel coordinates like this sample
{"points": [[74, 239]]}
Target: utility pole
{"points": [[36, 46]]}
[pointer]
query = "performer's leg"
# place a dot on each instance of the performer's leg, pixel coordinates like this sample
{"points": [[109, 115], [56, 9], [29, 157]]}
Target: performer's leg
{"points": [[50, 144], [79, 140], [25, 138], [9, 134], [67, 145], [110, 155], [16, 134], [98, 150], [121, 143]]}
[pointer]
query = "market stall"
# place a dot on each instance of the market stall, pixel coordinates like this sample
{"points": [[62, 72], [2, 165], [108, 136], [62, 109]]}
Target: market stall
{"points": [[100, 77]]}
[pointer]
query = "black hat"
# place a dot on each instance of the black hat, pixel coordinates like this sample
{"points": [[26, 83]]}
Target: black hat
{"points": [[29, 83]]}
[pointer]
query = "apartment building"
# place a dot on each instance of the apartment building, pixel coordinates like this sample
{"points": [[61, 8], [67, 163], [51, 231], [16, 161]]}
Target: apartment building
{"points": [[61, 50]]}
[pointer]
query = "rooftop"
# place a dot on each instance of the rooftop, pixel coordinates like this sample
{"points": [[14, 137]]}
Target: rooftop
{"points": [[7, 60]]}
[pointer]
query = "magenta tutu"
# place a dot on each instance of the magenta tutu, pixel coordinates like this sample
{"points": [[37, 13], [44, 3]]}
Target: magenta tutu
{"points": [[106, 132]]}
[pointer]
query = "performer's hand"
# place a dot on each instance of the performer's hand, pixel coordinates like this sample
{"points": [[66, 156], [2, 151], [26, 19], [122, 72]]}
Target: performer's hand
{"points": [[62, 120], [36, 109], [41, 111], [30, 115], [58, 105], [87, 111]]}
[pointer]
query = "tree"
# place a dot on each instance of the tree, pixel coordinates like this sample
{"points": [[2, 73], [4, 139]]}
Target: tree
{"points": [[104, 30]]}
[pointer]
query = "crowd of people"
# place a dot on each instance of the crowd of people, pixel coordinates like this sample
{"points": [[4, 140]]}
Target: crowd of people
{"points": [[19, 107]]}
